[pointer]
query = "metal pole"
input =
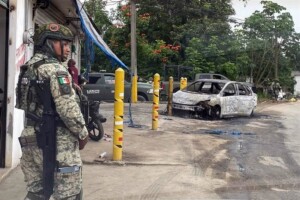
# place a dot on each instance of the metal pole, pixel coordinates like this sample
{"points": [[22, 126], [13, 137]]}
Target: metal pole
{"points": [[118, 115], [133, 50]]}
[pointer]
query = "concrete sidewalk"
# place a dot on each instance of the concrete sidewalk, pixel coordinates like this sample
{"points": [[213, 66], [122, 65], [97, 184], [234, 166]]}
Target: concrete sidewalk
{"points": [[163, 164]]}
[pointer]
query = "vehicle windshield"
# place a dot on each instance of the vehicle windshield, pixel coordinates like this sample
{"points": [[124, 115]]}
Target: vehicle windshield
{"points": [[205, 87]]}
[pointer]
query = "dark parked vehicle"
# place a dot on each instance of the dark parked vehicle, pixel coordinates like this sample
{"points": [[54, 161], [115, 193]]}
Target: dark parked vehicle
{"points": [[210, 76], [101, 87]]}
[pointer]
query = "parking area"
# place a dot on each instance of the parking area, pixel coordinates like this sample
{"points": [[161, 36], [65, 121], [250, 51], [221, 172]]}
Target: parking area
{"points": [[142, 138], [235, 158]]}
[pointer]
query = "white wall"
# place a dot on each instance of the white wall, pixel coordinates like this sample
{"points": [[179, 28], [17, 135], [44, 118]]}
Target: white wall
{"points": [[19, 53], [2, 48]]}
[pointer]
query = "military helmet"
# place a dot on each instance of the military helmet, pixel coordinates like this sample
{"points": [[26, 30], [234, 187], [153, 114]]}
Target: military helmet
{"points": [[52, 31]]}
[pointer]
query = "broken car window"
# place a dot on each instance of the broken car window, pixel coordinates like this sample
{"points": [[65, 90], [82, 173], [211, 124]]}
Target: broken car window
{"points": [[230, 90], [206, 87], [243, 90]]}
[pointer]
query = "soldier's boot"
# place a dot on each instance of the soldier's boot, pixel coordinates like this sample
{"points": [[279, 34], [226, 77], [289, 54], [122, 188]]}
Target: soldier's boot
{"points": [[34, 196]]}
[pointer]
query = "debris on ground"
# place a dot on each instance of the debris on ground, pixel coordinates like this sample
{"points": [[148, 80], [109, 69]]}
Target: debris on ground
{"points": [[167, 118], [107, 137], [293, 100], [102, 155]]}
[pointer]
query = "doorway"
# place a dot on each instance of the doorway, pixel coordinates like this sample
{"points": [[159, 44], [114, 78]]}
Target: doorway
{"points": [[3, 77]]}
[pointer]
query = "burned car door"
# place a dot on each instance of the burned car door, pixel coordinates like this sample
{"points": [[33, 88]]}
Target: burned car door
{"points": [[229, 100], [246, 100]]}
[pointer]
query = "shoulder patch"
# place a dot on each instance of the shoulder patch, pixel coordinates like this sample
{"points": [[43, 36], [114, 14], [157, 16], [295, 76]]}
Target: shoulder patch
{"points": [[64, 82]]}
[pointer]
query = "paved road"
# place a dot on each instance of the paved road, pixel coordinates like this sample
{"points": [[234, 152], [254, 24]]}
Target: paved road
{"points": [[267, 158], [240, 158]]}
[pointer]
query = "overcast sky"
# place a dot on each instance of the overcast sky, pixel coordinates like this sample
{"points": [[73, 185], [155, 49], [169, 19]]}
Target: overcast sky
{"points": [[245, 10]]}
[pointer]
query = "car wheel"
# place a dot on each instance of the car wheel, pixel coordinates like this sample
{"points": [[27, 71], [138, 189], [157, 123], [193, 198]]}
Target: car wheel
{"points": [[215, 112], [141, 98], [96, 131]]}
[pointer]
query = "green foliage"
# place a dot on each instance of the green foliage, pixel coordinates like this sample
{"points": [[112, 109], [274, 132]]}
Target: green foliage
{"points": [[198, 34], [97, 12], [271, 43]]}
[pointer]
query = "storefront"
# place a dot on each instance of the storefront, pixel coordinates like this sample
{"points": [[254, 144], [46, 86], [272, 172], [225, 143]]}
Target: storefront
{"points": [[18, 20]]}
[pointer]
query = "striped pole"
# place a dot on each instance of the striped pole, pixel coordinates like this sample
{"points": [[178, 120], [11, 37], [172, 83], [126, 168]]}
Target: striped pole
{"points": [[155, 102], [118, 115]]}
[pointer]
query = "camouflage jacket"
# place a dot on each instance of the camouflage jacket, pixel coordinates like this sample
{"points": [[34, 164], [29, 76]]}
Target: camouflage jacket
{"points": [[63, 94]]}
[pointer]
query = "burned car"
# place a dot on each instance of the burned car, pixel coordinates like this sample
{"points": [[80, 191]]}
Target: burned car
{"points": [[215, 99]]}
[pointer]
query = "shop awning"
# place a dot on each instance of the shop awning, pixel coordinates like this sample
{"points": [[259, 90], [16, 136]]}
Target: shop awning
{"points": [[4, 3], [91, 32]]}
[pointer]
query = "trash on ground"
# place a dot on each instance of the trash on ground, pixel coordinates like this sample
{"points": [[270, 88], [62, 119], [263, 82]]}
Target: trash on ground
{"points": [[102, 155], [107, 137], [293, 100], [167, 118]]}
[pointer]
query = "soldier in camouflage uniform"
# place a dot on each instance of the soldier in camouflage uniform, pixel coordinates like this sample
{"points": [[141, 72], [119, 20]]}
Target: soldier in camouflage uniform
{"points": [[52, 45]]}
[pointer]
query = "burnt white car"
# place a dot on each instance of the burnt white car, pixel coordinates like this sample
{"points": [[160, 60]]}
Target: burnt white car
{"points": [[215, 99]]}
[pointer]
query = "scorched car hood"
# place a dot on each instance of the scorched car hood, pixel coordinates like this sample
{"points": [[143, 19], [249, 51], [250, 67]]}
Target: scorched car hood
{"points": [[190, 98]]}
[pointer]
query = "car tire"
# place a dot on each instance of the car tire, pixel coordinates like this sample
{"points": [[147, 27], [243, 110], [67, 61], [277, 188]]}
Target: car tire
{"points": [[95, 129], [141, 98], [215, 112]]}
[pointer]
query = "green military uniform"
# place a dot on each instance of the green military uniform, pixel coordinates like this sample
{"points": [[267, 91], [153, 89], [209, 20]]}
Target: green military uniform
{"points": [[44, 66]]}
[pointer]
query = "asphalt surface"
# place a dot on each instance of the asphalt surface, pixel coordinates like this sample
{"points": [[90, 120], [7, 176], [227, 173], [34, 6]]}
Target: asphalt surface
{"points": [[236, 158]]}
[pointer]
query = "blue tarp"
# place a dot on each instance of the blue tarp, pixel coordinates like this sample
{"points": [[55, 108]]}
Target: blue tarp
{"points": [[93, 35]]}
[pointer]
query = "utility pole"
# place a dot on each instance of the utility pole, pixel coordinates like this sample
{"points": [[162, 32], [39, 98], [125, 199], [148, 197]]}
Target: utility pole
{"points": [[133, 49]]}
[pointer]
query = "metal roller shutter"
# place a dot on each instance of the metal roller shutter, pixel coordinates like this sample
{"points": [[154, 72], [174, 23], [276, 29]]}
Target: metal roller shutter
{"points": [[51, 14]]}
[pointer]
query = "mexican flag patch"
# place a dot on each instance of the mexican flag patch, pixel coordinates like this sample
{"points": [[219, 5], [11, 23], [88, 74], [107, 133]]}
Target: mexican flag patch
{"points": [[64, 80]]}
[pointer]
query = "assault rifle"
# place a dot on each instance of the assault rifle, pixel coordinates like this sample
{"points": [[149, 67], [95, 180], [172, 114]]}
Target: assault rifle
{"points": [[46, 135]]}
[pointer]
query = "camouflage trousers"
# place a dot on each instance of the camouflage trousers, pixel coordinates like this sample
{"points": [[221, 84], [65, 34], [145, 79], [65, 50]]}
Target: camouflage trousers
{"points": [[67, 186]]}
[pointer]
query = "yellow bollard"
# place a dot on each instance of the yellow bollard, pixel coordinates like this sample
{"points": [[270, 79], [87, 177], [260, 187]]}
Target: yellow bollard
{"points": [[181, 83], [118, 115], [155, 101], [134, 89], [185, 83], [170, 96]]}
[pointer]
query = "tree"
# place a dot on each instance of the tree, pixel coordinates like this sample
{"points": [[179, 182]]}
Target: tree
{"points": [[269, 38], [165, 28]]}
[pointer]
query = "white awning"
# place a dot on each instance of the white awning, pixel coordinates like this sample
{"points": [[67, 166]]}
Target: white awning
{"points": [[4, 3], [91, 32]]}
